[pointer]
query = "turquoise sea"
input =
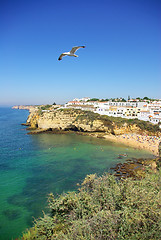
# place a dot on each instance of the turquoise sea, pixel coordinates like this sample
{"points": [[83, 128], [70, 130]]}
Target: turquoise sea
{"points": [[32, 166]]}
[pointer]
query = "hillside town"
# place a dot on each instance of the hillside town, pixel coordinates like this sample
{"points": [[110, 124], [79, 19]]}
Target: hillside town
{"points": [[142, 109]]}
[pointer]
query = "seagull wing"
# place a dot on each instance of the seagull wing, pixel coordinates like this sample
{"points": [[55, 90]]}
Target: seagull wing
{"points": [[61, 56], [74, 49]]}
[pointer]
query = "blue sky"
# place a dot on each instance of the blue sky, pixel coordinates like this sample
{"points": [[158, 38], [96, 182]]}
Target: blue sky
{"points": [[122, 55]]}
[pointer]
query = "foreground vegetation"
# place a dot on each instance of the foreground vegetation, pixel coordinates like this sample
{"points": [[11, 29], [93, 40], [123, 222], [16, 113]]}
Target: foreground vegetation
{"points": [[104, 208]]}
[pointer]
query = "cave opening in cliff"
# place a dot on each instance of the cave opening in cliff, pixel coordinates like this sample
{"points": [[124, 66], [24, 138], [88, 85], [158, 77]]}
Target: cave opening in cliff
{"points": [[72, 128], [81, 129]]}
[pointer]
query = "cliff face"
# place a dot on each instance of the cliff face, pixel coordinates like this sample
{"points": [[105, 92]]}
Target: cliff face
{"points": [[67, 120], [77, 120], [32, 120], [118, 130], [159, 150]]}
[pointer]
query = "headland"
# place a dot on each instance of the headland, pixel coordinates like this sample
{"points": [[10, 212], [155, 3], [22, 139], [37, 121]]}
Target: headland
{"points": [[131, 132]]}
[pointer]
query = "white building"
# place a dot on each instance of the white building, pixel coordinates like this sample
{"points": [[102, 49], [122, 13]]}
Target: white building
{"points": [[132, 109], [144, 115], [85, 99], [155, 120]]}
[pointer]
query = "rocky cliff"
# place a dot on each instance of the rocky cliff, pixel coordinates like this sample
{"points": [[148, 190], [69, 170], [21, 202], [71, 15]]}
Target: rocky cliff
{"points": [[78, 120], [65, 120]]}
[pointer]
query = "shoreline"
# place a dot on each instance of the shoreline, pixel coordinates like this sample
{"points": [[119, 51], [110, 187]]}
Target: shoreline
{"points": [[63, 122], [148, 143], [144, 142]]}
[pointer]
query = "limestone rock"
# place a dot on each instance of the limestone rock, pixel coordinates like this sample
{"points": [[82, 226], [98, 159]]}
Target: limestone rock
{"points": [[78, 120]]}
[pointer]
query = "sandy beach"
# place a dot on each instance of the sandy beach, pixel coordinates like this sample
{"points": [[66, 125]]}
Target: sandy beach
{"points": [[149, 143]]}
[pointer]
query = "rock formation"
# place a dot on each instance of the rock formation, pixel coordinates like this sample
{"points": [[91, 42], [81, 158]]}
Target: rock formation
{"points": [[65, 120], [78, 120]]}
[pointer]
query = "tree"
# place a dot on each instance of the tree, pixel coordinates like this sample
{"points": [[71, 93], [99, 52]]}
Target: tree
{"points": [[93, 99], [104, 100], [146, 98]]}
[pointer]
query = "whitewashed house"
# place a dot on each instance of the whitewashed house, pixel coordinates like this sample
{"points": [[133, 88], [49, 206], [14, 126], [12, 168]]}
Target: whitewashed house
{"points": [[144, 115], [102, 107]]}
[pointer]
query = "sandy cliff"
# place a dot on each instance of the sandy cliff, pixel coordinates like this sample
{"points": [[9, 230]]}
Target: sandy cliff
{"points": [[68, 120], [78, 120], [96, 125]]}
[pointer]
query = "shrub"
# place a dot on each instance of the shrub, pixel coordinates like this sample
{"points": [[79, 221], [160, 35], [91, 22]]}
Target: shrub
{"points": [[46, 107], [104, 208]]}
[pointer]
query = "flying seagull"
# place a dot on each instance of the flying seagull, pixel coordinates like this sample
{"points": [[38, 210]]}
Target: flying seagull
{"points": [[71, 53]]}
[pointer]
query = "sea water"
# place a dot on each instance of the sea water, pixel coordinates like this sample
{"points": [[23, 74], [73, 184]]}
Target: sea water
{"points": [[32, 166]]}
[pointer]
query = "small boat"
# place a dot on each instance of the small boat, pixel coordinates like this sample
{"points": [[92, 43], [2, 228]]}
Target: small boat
{"points": [[123, 155]]}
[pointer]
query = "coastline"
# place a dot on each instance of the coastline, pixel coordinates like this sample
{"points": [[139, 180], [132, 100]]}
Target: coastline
{"points": [[89, 124], [146, 142], [149, 143]]}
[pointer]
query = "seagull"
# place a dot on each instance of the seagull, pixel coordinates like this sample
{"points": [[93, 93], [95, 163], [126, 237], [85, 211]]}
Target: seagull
{"points": [[71, 53]]}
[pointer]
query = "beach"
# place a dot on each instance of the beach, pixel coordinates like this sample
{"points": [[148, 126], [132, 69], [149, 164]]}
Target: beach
{"points": [[149, 143]]}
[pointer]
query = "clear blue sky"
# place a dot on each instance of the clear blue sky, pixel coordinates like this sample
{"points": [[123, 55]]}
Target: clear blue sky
{"points": [[122, 55]]}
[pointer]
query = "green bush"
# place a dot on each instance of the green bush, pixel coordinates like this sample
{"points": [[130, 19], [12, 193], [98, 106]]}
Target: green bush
{"points": [[40, 112], [46, 107], [104, 208]]}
